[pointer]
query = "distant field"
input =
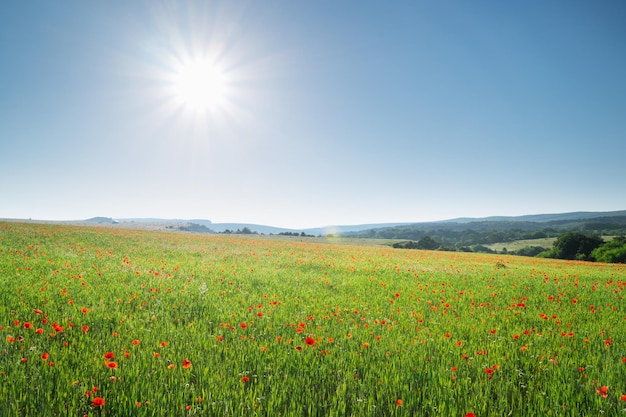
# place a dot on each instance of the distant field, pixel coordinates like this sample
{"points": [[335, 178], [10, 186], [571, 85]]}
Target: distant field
{"points": [[111, 322], [519, 244], [547, 243]]}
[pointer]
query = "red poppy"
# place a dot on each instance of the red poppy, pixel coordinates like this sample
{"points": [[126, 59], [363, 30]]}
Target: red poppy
{"points": [[603, 391], [28, 325], [163, 344], [37, 311], [85, 329], [470, 414], [135, 342], [44, 356], [623, 397], [112, 365], [245, 379], [109, 355], [39, 331], [243, 325], [399, 403], [97, 402], [309, 341], [220, 338], [186, 363]]}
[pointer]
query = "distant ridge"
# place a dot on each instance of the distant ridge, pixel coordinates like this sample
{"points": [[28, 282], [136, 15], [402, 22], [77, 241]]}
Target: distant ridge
{"points": [[459, 223], [348, 229], [540, 218]]}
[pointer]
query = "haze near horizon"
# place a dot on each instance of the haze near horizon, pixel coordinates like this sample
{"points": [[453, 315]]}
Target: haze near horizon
{"points": [[307, 114]]}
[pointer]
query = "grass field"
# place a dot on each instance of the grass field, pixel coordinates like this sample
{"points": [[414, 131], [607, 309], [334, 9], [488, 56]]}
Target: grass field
{"points": [[546, 243], [101, 321]]}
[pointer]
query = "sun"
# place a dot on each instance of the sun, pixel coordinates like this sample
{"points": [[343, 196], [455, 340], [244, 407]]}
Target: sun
{"points": [[200, 85]]}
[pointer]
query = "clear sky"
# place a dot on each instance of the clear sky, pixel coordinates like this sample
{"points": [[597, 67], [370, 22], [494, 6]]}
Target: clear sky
{"points": [[311, 113]]}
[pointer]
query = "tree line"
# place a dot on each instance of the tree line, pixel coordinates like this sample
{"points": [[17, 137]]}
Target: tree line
{"points": [[570, 245]]}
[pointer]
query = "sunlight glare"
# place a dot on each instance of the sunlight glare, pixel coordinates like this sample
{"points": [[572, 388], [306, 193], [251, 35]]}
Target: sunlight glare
{"points": [[200, 85]]}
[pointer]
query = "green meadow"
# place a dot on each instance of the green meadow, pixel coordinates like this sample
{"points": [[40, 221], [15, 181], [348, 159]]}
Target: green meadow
{"points": [[108, 322]]}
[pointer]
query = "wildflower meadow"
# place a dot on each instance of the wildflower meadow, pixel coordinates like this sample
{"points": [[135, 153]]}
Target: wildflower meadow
{"points": [[113, 322]]}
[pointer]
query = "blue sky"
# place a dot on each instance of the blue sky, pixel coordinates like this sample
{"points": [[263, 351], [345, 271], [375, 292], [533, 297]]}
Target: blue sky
{"points": [[328, 112]]}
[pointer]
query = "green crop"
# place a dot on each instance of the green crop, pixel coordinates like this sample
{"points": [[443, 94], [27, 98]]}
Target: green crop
{"points": [[104, 321]]}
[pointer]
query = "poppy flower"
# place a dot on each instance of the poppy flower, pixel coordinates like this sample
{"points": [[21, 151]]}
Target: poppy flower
{"points": [[109, 355], [163, 344], [399, 403], [39, 331], [97, 402], [112, 365], [186, 363], [623, 397], [243, 325], [28, 325], [44, 356], [603, 391], [470, 414], [309, 341], [85, 329], [245, 379], [135, 342]]}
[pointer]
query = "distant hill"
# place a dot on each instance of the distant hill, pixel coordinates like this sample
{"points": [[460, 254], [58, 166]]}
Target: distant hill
{"points": [[530, 226], [541, 218], [100, 220], [465, 232], [528, 223], [258, 228]]}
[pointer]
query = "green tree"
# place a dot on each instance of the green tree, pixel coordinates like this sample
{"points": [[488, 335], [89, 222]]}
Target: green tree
{"points": [[613, 251], [574, 245], [427, 243]]}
